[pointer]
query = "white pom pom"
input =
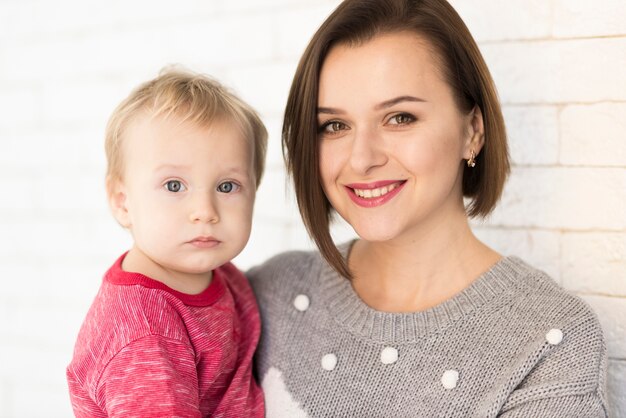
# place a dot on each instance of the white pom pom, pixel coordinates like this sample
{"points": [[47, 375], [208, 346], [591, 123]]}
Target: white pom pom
{"points": [[554, 336], [329, 362], [450, 379], [301, 302], [389, 355]]}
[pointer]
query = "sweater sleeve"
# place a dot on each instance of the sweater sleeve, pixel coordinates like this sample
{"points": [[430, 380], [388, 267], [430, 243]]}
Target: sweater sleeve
{"points": [[568, 380], [578, 406], [152, 376]]}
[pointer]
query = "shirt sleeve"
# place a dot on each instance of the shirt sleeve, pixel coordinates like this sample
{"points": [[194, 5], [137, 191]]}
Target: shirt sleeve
{"points": [[152, 376]]}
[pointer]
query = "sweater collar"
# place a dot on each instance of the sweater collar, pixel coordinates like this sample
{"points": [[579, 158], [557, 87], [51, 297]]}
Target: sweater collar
{"points": [[493, 288], [117, 276]]}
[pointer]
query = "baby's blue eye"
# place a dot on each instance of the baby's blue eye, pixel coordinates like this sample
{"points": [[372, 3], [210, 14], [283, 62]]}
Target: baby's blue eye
{"points": [[227, 187], [174, 186]]}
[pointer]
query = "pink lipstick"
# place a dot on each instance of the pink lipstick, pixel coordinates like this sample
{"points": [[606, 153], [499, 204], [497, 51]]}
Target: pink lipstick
{"points": [[369, 195]]}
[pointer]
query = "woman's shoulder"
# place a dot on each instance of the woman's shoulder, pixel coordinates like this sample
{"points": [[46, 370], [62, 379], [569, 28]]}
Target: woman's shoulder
{"points": [[285, 271], [286, 263], [543, 304], [537, 292], [569, 357]]}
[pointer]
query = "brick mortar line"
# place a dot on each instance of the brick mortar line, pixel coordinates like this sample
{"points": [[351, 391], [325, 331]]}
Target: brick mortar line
{"points": [[546, 229], [549, 39], [567, 166], [605, 295]]}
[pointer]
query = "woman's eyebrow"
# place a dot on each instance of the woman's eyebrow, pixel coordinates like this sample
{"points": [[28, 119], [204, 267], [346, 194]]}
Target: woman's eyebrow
{"points": [[396, 100], [382, 105], [329, 110]]}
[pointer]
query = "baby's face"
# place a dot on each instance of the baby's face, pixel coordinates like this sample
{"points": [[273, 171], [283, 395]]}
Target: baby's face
{"points": [[189, 192]]}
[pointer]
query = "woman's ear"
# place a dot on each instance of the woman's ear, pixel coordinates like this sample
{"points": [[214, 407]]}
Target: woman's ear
{"points": [[475, 133], [117, 196]]}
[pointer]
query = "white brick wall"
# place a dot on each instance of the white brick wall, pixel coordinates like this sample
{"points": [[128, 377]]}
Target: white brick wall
{"points": [[558, 64]]}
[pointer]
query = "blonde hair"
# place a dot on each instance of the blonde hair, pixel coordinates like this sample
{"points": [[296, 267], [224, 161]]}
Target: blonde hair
{"points": [[191, 97]]}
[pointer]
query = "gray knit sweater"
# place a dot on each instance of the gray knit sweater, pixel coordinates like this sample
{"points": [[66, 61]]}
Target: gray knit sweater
{"points": [[512, 344]]}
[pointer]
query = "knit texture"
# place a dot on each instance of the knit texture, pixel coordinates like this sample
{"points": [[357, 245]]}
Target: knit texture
{"points": [[146, 350], [493, 334]]}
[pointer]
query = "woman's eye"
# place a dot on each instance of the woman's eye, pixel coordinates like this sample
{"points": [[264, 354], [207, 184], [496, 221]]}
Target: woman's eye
{"points": [[227, 187], [401, 119], [175, 186], [332, 127]]}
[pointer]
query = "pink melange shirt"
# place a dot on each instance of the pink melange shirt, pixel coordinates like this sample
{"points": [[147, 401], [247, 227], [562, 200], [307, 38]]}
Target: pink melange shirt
{"points": [[146, 350]]}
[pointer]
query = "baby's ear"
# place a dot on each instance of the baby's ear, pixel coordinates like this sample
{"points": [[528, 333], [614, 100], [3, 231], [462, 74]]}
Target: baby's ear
{"points": [[116, 193]]}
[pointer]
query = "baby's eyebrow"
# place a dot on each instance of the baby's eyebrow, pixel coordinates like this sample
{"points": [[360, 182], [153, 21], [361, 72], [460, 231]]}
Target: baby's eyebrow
{"points": [[172, 167]]}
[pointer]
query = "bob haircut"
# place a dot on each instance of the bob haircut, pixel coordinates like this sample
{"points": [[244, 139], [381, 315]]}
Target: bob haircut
{"points": [[353, 23], [192, 98]]}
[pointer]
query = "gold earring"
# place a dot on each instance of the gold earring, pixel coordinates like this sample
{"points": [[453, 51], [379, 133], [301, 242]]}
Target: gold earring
{"points": [[471, 162]]}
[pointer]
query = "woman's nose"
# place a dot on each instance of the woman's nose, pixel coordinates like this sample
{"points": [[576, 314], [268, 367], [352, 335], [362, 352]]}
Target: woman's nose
{"points": [[367, 151]]}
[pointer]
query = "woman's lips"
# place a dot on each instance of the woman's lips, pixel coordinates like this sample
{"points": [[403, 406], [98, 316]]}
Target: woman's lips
{"points": [[374, 194]]}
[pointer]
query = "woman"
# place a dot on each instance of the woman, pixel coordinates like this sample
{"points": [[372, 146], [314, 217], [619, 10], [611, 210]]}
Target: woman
{"points": [[392, 120]]}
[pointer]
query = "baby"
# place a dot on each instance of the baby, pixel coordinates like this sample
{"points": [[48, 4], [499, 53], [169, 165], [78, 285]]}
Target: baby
{"points": [[174, 326]]}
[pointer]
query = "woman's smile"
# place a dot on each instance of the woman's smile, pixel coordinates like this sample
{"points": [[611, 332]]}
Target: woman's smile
{"points": [[374, 194]]}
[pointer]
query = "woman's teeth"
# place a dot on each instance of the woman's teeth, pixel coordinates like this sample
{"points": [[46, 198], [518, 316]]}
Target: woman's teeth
{"points": [[370, 193]]}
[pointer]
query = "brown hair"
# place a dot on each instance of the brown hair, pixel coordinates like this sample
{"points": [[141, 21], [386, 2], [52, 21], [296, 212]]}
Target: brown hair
{"points": [[191, 97], [355, 22]]}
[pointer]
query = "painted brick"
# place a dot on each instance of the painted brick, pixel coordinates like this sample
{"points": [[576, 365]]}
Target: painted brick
{"points": [[275, 200], [490, 20], [582, 70], [294, 28], [538, 248], [19, 195], [29, 152], [268, 238], [72, 192], [263, 86], [84, 102], [594, 262], [341, 231], [49, 386], [6, 397], [299, 238], [270, 5], [593, 134], [533, 134], [62, 73], [561, 197], [576, 18], [617, 388], [50, 394], [274, 157], [224, 42], [55, 236], [611, 312], [19, 107], [38, 18]]}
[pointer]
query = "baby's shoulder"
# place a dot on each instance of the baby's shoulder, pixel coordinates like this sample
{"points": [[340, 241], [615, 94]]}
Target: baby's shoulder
{"points": [[121, 314]]}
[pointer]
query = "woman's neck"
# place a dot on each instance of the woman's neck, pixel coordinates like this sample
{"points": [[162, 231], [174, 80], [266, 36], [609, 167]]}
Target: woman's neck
{"points": [[415, 273]]}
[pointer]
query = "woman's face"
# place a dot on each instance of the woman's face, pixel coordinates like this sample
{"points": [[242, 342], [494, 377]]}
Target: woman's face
{"points": [[392, 139]]}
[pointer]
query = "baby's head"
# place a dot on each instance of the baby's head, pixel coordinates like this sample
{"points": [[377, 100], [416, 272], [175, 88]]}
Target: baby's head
{"points": [[185, 158]]}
